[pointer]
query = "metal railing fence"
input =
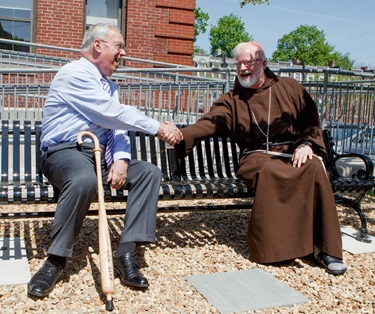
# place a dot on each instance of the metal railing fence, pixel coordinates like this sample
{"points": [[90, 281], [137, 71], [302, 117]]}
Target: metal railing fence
{"points": [[180, 94], [171, 95]]}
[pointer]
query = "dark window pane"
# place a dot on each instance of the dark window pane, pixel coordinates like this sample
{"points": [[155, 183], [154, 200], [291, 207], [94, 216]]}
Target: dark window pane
{"points": [[16, 31], [22, 30]]}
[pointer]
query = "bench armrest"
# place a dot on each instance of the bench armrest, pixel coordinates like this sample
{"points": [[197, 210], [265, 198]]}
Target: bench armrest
{"points": [[368, 172]]}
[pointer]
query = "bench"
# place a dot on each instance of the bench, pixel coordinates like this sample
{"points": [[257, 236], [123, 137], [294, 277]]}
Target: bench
{"points": [[207, 173]]}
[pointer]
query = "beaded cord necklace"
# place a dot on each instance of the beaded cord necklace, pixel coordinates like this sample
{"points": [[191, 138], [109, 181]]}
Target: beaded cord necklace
{"points": [[266, 135]]}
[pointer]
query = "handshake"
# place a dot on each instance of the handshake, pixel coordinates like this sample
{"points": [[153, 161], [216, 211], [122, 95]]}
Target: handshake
{"points": [[169, 133]]}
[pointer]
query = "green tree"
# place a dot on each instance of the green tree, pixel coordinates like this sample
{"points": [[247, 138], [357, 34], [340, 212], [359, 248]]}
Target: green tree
{"points": [[326, 55], [228, 32], [254, 2], [342, 60], [200, 50], [305, 44], [201, 22]]}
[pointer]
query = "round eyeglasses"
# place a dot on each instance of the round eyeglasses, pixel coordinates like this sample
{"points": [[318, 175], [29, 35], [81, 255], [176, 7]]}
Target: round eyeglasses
{"points": [[246, 63], [118, 46]]}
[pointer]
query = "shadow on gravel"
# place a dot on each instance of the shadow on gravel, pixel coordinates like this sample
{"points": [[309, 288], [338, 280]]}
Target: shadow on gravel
{"points": [[200, 228], [37, 231], [186, 229]]}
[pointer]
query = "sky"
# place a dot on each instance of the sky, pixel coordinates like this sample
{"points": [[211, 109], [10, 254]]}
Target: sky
{"points": [[348, 25]]}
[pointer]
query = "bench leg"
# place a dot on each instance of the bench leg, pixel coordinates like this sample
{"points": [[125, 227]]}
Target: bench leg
{"points": [[363, 232]]}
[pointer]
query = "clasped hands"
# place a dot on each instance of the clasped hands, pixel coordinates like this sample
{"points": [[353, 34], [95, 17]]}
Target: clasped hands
{"points": [[169, 133]]}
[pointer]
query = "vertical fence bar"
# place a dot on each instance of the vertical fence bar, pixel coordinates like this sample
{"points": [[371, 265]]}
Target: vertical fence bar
{"points": [[324, 100]]}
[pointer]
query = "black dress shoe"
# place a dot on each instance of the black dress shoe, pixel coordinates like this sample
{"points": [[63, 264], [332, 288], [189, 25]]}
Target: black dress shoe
{"points": [[333, 265], [126, 267], [44, 280]]}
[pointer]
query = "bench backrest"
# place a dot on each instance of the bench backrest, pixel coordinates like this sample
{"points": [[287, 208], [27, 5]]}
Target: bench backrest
{"points": [[20, 152], [214, 159]]}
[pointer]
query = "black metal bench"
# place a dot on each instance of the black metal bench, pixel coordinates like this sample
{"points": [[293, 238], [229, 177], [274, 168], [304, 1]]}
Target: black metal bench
{"points": [[207, 173]]}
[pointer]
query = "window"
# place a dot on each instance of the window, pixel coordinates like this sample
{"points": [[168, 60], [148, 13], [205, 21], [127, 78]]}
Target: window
{"points": [[99, 11], [15, 23]]}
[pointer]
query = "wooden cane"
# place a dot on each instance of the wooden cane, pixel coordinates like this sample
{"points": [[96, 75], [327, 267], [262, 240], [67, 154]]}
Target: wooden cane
{"points": [[105, 249]]}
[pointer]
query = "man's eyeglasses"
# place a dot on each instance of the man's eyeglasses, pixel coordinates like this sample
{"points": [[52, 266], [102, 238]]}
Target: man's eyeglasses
{"points": [[118, 46], [246, 63]]}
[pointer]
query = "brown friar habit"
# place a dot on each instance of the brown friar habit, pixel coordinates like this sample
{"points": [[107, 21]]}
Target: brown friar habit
{"points": [[294, 208]]}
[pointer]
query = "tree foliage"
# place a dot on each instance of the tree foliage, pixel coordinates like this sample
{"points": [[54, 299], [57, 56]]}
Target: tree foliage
{"points": [[342, 60], [201, 22], [198, 49], [286, 50], [253, 2], [228, 32], [308, 45]]}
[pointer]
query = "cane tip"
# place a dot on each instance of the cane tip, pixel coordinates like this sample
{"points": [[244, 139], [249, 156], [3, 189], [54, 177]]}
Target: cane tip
{"points": [[109, 305]]}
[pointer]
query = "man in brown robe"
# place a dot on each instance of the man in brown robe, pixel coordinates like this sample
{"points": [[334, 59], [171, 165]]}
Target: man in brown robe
{"points": [[276, 125]]}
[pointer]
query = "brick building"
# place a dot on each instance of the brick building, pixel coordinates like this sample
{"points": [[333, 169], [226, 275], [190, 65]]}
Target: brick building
{"points": [[159, 30]]}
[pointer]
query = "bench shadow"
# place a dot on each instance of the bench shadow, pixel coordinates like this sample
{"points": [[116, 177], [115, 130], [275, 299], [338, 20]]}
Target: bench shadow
{"points": [[204, 227], [192, 229], [213, 227]]}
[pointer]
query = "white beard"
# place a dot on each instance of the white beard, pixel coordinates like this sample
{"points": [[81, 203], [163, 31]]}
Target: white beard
{"points": [[249, 81]]}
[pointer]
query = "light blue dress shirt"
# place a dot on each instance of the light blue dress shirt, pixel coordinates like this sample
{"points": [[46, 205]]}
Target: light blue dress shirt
{"points": [[77, 102]]}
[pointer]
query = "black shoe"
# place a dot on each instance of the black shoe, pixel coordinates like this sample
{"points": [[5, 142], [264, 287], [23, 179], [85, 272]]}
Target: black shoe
{"points": [[333, 265], [126, 267], [44, 280]]}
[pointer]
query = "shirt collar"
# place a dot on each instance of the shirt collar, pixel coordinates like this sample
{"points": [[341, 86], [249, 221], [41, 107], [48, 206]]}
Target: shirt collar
{"points": [[94, 69]]}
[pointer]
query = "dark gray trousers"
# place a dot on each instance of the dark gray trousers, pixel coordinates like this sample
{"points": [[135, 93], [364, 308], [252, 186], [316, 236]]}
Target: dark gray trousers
{"points": [[71, 169]]}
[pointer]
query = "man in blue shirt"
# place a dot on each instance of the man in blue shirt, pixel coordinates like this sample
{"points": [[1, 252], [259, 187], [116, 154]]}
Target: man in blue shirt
{"points": [[82, 98]]}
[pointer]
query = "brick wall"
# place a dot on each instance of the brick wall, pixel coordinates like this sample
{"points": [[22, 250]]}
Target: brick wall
{"points": [[59, 23], [160, 30]]}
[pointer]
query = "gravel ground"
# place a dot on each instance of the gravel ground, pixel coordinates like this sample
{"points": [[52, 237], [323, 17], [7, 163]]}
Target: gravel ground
{"points": [[188, 243]]}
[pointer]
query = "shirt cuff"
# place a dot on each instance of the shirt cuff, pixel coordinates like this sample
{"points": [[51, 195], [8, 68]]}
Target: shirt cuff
{"points": [[121, 155]]}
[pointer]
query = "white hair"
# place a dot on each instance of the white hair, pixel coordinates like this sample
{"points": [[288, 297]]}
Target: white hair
{"points": [[99, 30]]}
